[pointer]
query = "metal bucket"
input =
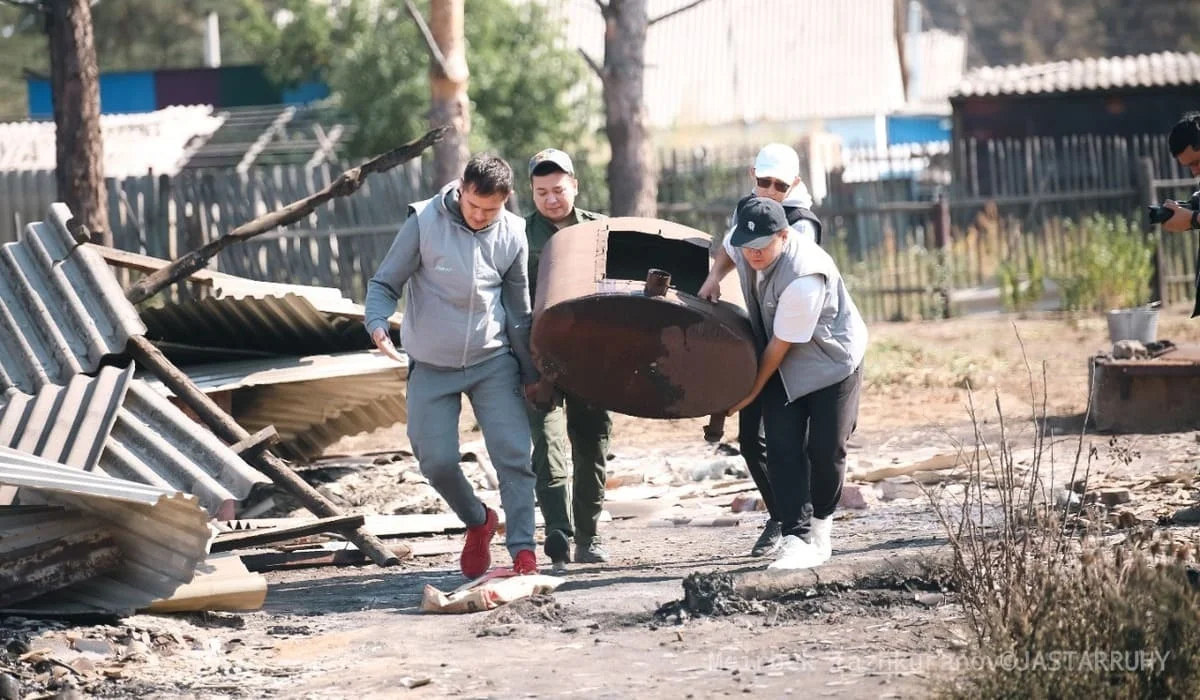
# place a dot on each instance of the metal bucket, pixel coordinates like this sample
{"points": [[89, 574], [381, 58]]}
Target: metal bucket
{"points": [[617, 322], [1140, 324]]}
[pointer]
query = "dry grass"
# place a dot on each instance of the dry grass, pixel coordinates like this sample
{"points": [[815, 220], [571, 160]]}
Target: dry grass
{"points": [[1057, 610], [896, 363]]}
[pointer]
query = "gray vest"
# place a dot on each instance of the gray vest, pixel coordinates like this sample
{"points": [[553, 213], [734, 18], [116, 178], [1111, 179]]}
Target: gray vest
{"points": [[839, 341]]}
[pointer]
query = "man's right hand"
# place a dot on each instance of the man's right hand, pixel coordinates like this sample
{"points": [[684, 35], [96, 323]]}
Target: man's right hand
{"points": [[710, 290], [383, 342]]}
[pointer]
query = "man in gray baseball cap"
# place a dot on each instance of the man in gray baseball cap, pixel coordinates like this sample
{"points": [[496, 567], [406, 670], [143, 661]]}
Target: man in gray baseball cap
{"points": [[571, 498]]}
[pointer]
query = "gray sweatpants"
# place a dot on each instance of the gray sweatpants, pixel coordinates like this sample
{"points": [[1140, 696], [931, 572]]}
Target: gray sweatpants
{"points": [[494, 389]]}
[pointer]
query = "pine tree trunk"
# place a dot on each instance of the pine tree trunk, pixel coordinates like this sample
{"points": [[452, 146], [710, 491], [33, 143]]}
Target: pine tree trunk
{"points": [[449, 92], [632, 181], [75, 90]]}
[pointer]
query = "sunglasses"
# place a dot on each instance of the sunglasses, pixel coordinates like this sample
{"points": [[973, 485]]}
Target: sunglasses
{"points": [[770, 182]]}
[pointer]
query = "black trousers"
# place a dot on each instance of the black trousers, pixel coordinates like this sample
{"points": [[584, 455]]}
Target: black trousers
{"points": [[752, 442], [806, 449]]}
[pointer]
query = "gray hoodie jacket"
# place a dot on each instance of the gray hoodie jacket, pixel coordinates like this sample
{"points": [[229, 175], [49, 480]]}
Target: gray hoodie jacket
{"points": [[468, 291]]}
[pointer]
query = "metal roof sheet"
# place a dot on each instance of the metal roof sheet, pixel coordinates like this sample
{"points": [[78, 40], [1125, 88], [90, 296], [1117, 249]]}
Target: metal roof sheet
{"points": [[154, 442], [163, 534], [289, 324], [61, 309], [62, 313], [235, 317], [312, 401], [134, 144], [117, 425], [1144, 70], [67, 424]]}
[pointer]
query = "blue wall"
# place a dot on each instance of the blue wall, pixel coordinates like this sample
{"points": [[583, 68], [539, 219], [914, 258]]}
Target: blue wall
{"points": [[142, 91], [855, 131], [305, 93], [918, 129], [41, 105]]}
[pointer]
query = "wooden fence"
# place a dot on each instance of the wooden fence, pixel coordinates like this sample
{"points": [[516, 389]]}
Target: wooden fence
{"points": [[912, 241], [1003, 202], [338, 246]]}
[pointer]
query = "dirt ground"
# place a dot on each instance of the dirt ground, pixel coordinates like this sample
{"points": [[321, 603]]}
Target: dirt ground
{"points": [[608, 631]]}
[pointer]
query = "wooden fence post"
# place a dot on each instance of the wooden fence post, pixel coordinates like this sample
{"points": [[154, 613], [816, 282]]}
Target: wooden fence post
{"points": [[941, 237], [1148, 193]]}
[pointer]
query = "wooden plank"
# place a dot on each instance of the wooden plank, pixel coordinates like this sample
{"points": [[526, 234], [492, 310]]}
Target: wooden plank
{"points": [[46, 557], [146, 263], [346, 555], [392, 525], [222, 583], [228, 430], [227, 542]]}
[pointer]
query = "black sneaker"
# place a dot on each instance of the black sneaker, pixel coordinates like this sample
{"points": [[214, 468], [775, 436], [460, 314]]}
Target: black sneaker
{"points": [[768, 541], [590, 553], [558, 549]]}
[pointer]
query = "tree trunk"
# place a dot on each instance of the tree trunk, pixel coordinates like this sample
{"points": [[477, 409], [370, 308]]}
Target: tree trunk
{"points": [[632, 181], [75, 90], [449, 90]]}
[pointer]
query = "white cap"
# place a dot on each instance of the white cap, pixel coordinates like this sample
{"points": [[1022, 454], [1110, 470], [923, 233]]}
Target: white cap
{"points": [[779, 161]]}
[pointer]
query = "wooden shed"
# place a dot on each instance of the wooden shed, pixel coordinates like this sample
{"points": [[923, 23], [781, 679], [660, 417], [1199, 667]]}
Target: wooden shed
{"points": [[1118, 96]]}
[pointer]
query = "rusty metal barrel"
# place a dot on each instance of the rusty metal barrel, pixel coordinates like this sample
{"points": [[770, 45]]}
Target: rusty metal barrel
{"points": [[617, 322]]}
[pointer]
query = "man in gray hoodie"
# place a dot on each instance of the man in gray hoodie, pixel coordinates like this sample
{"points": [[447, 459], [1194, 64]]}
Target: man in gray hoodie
{"points": [[466, 330]]}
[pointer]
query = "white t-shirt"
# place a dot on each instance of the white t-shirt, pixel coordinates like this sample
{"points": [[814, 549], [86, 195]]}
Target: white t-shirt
{"points": [[800, 304]]}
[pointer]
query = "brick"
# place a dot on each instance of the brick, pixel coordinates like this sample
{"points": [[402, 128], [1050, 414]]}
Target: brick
{"points": [[858, 496], [747, 503]]}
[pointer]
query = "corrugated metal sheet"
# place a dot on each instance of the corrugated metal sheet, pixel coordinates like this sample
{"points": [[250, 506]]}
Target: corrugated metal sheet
{"points": [[134, 144], [163, 534], [119, 426], [1145, 70], [153, 442], [61, 313], [250, 317], [312, 401], [61, 309], [67, 424], [286, 325], [729, 61]]}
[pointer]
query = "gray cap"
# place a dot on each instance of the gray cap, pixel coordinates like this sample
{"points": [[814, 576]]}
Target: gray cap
{"points": [[758, 219], [554, 156]]}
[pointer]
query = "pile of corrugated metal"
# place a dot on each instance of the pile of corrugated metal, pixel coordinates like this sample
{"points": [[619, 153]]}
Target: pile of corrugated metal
{"points": [[296, 357], [108, 487]]}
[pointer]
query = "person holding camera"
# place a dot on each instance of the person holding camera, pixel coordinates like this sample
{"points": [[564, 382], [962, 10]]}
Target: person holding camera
{"points": [[1184, 142]]}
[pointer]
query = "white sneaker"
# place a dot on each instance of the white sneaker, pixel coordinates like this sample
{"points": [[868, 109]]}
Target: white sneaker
{"points": [[795, 553], [820, 534]]}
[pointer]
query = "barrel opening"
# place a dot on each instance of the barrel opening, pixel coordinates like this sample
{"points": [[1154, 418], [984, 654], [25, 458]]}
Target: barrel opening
{"points": [[631, 254]]}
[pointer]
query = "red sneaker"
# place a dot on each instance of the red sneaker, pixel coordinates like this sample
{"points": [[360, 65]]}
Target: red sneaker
{"points": [[525, 562], [476, 558]]}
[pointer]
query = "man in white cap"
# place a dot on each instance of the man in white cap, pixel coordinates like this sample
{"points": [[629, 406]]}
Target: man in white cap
{"points": [[776, 174]]}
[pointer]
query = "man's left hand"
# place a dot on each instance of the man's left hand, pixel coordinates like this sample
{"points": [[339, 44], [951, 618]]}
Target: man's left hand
{"points": [[1181, 218], [541, 395], [742, 404]]}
